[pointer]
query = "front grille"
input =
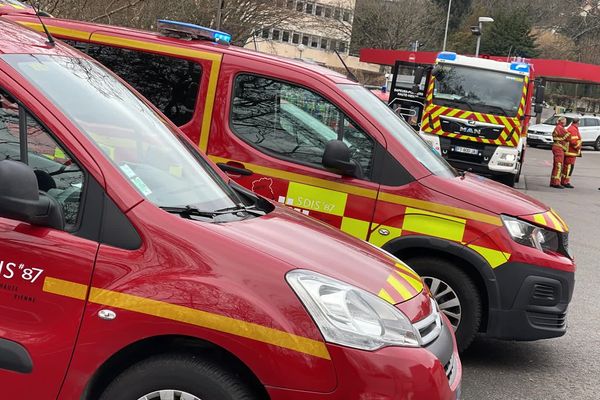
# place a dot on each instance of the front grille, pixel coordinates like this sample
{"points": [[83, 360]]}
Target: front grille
{"points": [[544, 292], [430, 327], [450, 126], [450, 369], [548, 320]]}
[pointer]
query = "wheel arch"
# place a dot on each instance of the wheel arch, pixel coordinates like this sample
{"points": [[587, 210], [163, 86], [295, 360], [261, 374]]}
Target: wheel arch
{"points": [[168, 344], [473, 264]]}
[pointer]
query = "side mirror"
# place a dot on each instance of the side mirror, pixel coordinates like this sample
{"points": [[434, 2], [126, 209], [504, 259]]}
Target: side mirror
{"points": [[538, 108], [20, 198], [540, 91], [337, 158], [438, 73], [418, 78]]}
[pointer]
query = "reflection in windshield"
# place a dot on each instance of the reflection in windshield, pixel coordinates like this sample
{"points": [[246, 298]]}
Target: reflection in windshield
{"points": [[479, 90], [554, 120], [396, 126], [136, 139]]}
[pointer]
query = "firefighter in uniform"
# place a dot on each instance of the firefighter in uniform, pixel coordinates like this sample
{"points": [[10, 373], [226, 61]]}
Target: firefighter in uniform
{"points": [[559, 137], [572, 152]]}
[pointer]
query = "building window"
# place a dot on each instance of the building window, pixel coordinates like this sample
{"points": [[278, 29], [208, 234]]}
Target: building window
{"points": [[290, 4], [309, 8], [346, 16], [337, 13], [318, 10], [333, 45], [295, 38], [276, 34], [305, 40], [300, 6], [285, 36], [265, 33], [327, 12], [314, 42], [342, 47], [324, 43], [279, 3]]}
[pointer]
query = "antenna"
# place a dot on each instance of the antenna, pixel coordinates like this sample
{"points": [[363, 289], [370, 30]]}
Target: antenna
{"points": [[350, 74], [51, 40]]}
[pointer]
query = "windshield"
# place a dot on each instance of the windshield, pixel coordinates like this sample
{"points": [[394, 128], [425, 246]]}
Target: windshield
{"points": [[478, 90], [554, 120], [401, 131], [136, 139]]}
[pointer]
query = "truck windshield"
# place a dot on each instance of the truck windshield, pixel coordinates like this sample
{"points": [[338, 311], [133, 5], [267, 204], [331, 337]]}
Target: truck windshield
{"points": [[376, 110], [136, 139], [480, 90]]}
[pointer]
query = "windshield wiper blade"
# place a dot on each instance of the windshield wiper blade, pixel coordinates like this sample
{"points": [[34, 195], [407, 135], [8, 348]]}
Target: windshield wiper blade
{"points": [[189, 211], [502, 110], [238, 208]]}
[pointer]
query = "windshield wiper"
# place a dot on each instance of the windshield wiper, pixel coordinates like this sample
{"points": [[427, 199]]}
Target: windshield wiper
{"points": [[460, 101], [189, 211]]}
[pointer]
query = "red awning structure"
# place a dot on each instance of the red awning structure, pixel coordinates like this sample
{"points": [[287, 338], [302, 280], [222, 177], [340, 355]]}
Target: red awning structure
{"points": [[554, 70]]}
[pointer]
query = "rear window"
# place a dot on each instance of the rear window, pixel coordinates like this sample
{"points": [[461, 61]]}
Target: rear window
{"points": [[171, 84]]}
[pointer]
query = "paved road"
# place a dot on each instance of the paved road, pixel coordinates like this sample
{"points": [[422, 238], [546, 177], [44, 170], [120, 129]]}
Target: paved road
{"points": [[567, 367]]}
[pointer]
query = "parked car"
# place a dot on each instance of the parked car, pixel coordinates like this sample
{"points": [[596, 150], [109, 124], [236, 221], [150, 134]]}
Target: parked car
{"points": [[319, 142], [130, 268], [589, 127]]}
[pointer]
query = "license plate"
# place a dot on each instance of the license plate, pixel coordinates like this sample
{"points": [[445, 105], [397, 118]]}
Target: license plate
{"points": [[466, 150]]}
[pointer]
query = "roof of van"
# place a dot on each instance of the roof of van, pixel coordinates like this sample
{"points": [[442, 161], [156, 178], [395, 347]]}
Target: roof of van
{"points": [[17, 39], [197, 44]]}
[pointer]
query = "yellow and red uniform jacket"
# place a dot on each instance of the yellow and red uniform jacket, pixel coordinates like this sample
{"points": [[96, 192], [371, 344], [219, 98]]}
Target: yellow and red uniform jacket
{"points": [[574, 142], [560, 136]]}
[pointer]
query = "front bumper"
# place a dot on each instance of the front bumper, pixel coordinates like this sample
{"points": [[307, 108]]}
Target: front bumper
{"points": [[534, 308], [539, 140], [391, 373]]}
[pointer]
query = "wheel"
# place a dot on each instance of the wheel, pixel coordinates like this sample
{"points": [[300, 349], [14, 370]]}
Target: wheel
{"points": [[507, 179], [176, 377], [456, 295], [597, 144]]}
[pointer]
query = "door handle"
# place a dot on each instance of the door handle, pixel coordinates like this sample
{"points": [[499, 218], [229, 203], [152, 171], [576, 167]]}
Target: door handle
{"points": [[235, 167]]}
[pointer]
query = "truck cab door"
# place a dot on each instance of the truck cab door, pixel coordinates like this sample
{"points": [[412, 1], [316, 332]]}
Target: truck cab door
{"points": [[407, 95], [44, 272]]}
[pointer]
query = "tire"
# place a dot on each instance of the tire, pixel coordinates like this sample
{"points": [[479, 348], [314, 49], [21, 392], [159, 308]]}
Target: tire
{"points": [[186, 377], [597, 144], [452, 277]]}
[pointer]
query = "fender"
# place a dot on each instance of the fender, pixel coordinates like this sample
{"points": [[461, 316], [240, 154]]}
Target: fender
{"points": [[401, 244]]}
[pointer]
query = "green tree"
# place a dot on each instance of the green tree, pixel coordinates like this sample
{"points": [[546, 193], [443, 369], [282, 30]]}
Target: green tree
{"points": [[460, 9], [509, 34]]}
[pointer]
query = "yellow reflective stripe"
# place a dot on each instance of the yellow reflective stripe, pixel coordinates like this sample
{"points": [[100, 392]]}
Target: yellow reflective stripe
{"points": [[190, 316], [557, 225], [386, 296], [407, 270], [539, 218], [494, 257], [58, 30], [294, 177], [65, 288], [209, 104], [433, 224], [58, 153], [402, 291], [379, 240], [316, 198], [564, 224], [441, 208], [355, 227], [415, 283]]}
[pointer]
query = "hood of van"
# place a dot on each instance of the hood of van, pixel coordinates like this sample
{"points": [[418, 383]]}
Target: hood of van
{"points": [[486, 194], [305, 243]]}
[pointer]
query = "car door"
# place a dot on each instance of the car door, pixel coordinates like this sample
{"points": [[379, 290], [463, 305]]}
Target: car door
{"points": [[277, 131], [591, 131], [44, 272]]}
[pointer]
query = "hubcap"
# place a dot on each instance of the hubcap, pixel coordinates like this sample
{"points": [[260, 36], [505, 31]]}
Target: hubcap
{"points": [[446, 298], [169, 395]]}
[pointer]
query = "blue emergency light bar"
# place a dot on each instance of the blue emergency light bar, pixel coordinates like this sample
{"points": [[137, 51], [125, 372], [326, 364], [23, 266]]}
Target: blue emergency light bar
{"points": [[184, 29], [520, 67], [447, 56]]}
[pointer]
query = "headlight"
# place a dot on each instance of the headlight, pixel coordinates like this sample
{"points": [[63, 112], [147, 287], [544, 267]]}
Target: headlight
{"points": [[508, 157], [349, 316], [531, 235]]}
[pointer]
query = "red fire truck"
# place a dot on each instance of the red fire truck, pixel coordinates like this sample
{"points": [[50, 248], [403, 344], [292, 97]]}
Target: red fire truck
{"points": [[473, 111]]}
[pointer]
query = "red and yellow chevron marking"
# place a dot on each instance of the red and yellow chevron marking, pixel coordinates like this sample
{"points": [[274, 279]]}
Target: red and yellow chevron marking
{"points": [[510, 136], [401, 285], [549, 219]]}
